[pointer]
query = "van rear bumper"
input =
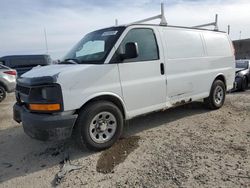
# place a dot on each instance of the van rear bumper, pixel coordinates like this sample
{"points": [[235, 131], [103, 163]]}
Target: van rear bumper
{"points": [[44, 127]]}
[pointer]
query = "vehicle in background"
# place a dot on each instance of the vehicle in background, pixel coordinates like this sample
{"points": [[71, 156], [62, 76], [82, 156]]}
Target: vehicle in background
{"points": [[7, 81], [242, 74], [24, 63]]}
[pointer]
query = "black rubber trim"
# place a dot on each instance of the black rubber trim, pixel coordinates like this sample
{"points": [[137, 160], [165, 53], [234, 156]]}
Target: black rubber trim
{"points": [[36, 80]]}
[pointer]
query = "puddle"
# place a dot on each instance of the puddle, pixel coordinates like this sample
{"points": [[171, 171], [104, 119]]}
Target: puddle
{"points": [[238, 148], [116, 154]]}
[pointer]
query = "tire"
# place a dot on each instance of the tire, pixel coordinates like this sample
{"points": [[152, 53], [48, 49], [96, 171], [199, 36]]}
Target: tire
{"points": [[100, 118], [217, 95], [244, 84], [2, 94]]}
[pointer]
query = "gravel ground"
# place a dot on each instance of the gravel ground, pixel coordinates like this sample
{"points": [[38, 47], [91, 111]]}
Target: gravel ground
{"points": [[188, 146]]}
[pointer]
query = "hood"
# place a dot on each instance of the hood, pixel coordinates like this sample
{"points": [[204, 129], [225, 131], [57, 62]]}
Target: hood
{"points": [[52, 70], [48, 74]]}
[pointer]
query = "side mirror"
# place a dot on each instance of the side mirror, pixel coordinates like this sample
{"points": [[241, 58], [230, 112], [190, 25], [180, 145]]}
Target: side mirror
{"points": [[131, 50]]}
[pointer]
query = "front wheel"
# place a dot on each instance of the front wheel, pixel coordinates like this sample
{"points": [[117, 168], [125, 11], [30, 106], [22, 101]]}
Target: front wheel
{"points": [[217, 95], [2, 94], [99, 125]]}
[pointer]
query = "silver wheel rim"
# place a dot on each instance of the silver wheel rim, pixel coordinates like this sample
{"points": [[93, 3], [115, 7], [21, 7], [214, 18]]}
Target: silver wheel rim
{"points": [[218, 95], [1, 94], [102, 127]]}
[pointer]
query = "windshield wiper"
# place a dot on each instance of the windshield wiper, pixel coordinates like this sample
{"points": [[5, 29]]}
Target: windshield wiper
{"points": [[70, 61]]}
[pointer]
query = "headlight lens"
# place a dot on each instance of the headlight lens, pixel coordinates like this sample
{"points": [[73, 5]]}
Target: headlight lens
{"points": [[44, 93]]}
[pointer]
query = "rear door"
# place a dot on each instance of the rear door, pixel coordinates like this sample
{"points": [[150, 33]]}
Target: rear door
{"points": [[143, 78]]}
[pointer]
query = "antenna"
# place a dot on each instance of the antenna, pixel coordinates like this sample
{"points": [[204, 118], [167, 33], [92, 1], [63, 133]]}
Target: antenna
{"points": [[160, 16], [46, 42], [116, 22], [215, 24]]}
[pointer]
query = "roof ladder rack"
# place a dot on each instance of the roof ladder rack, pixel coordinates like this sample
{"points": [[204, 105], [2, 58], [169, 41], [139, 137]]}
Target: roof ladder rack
{"points": [[215, 24], [160, 16], [164, 21]]}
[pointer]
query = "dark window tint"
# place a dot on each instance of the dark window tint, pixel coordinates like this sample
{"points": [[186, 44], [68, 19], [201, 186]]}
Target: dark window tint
{"points": [[147, 46], [18, 62]]}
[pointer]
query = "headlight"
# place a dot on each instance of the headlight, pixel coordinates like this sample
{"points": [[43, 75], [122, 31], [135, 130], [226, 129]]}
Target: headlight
{"points": [[46, 98]]}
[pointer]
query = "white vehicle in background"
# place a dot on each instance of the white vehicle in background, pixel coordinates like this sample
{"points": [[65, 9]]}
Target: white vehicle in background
{"points": [[115, 74], [7, 81]]}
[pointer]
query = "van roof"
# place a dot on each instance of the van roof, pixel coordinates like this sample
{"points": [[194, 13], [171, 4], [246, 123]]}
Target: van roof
{"points": [[172, 26]]}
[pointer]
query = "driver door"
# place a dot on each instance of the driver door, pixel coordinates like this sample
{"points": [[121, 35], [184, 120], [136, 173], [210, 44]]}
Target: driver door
{"points": [[143, 78]]}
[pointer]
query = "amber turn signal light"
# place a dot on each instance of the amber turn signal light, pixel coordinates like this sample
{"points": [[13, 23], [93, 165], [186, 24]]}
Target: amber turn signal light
{"points": [[45, 107]]}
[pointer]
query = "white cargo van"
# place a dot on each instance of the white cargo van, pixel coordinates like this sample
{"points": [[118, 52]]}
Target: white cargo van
{"points": [[118, 73]]}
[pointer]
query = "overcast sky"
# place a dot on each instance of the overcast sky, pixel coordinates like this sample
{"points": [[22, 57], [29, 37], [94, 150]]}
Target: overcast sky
{"points": [[22, 22]]}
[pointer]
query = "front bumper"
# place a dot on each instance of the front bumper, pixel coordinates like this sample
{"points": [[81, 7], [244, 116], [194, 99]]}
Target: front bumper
{"points": [[44, 126]]}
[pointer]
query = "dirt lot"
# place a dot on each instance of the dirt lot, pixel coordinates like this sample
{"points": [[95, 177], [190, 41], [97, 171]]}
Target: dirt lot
{"points": [[188, 146]]}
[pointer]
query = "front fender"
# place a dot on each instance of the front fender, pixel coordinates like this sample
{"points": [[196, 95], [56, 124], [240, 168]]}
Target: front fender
{"points": [[109, 94]]}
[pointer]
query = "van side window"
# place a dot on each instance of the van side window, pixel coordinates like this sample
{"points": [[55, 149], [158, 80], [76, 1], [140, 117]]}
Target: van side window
{"points": [[147, 46]]}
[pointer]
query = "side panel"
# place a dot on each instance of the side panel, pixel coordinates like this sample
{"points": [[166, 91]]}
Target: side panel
{"points": [[190, 71], [221, 55], [186, 64]]}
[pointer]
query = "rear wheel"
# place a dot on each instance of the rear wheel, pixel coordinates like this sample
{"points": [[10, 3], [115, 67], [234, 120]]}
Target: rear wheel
{"points": [[2, 94], [217, 95], [99, 125]]}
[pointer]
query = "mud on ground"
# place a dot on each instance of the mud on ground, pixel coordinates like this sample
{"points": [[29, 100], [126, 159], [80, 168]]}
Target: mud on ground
{"points": [[188, 146]]}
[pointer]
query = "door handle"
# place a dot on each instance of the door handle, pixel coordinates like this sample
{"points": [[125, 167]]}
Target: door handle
{"points": [[162, 69]]}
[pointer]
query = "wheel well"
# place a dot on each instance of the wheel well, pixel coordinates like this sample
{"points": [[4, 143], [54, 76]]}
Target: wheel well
{"points": [[109, 98], [1, 84], [222, 78]]}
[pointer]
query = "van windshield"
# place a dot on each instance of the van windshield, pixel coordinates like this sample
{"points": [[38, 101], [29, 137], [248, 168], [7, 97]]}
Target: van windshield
{"points": [[95, 46]]}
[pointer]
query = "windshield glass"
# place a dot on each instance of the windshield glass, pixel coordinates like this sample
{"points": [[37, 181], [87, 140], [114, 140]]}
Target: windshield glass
{"points": [[242, 64], [95, 46]]}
